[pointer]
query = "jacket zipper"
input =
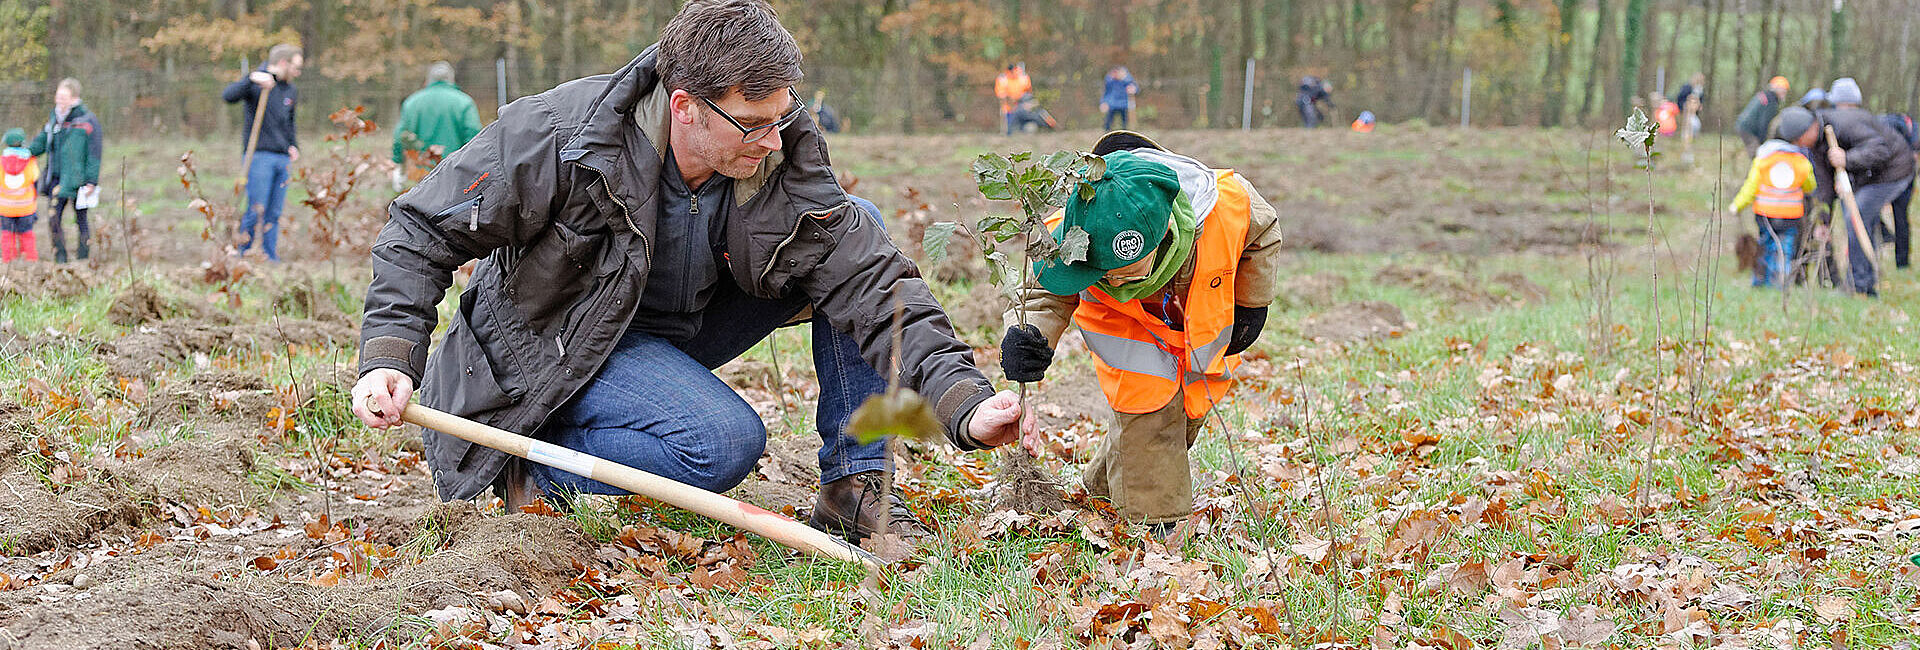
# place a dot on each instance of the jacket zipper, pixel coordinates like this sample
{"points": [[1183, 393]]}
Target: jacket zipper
{"points": [[646, 247]]}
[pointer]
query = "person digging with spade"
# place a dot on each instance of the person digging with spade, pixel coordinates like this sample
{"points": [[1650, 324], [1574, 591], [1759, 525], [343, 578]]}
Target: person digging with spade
{"points": [[1179, 272], [638, 230]]}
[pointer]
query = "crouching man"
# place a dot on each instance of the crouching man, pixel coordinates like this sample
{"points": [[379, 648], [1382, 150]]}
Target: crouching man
{"points": [[1179, 272], [637, 230]]}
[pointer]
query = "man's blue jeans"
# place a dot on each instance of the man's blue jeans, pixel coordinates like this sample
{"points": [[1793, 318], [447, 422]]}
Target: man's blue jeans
{"points": [[1870, 198], [658, 407], [266, 195]]}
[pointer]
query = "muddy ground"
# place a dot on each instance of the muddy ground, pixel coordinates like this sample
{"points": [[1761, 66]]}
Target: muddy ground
{"points": [[181, 509]]}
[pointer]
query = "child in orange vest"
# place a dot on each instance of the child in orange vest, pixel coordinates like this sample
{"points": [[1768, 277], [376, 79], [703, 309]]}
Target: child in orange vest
{"points": [[1777, 188], [18, 199], [1180, 267]]}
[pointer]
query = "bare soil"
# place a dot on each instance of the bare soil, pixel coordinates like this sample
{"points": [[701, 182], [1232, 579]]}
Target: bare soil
{"points": [[1354, 321]]}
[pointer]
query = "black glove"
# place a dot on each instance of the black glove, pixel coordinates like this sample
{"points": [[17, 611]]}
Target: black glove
{"points": [[1024, 354], [1247, 323]]}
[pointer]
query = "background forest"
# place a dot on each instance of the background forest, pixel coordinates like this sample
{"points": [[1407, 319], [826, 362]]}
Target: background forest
{"points": [[155, 66]]}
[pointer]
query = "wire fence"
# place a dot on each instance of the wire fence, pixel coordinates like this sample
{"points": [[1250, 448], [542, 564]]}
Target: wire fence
{"points": [[185, 102]]}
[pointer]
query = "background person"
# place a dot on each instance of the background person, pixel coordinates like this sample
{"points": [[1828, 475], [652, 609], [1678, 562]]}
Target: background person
{"points": [[1116, 96], [1777, 187], [1759, 113], [1010, 87], [277, 147], [1313, 92], [1878, 162], [72, 143], [19, 199], [435, 121]]}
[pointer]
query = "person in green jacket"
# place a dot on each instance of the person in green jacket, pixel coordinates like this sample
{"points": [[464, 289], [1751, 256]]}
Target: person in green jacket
{"points": [[435, 121], [71, 141]]}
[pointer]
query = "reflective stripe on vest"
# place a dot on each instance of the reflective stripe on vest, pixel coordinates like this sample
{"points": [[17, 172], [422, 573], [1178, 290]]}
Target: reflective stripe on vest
{"points": [[1143, 363], [17, 197], [1779, 195]]}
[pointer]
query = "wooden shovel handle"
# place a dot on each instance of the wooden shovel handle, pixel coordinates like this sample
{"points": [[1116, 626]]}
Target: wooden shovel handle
{"points": [[1843, 187], [739, 514]]}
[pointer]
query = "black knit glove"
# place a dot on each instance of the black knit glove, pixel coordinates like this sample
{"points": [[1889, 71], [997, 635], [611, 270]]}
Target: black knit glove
{"points": [[1247, 323], [1024, 354]]}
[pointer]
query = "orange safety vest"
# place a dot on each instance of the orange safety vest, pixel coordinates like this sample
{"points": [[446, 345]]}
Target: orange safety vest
{"points": [[1779, 195], [1010, 88], [1141, 361], [17, 195], [1668, 115]]}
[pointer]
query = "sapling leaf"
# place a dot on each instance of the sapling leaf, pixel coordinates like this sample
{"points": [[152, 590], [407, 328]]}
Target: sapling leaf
{"points": [[1041, 247], [1086, 191], [997, 268], [1073, 246], [1061, 161], [898, 412], [1639, 133], [996, 190], [1096, 169], [1020, 157], [938, 237]]}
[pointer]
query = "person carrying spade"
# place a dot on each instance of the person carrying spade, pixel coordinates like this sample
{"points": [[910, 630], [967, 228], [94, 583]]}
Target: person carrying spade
{"points": [[1178, 275]]}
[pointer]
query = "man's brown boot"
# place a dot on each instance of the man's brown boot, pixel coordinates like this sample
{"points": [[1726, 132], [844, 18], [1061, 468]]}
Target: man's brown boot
{"points": [[858, 506]]}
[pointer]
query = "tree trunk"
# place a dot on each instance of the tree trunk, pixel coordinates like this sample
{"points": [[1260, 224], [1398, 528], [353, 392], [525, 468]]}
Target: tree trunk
{"points": [[1837, 40], [1597, 69], [1766, 58], [1292, 20], [1678, 13], [1739, 44], [1559, 54], [1779, 28], [1906, 48], [1635, 23], [1710, 35]]}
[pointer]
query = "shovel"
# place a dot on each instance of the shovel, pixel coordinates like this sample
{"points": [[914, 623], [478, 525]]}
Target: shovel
{"points": [[1843, 186], [742, 515], [253, 138]]}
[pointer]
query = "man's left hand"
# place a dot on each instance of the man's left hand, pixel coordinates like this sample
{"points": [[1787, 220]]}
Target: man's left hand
{"points": [[1247, 323], [1838, 157], [1001, 420], [293, 154]]}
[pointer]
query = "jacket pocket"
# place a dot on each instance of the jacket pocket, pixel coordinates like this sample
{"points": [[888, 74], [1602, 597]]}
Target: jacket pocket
{"points": [[464, 215], [462, 380]]}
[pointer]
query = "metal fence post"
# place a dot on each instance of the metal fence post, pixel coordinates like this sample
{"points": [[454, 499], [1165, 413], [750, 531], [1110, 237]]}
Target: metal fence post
{"points": [[1246, 101], [1466, 97], [499, 84]]}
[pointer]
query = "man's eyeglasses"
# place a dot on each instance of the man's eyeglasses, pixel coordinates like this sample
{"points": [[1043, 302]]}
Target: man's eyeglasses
{"points": [[755, 133]]}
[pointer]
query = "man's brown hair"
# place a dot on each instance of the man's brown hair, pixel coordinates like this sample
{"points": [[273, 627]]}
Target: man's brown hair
{"points": [[715, 45], [282, 52]]}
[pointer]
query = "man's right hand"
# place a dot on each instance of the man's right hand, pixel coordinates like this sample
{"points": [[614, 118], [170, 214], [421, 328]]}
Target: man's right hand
{"points": [[261, 78], [1024, 354], [380, 396]]}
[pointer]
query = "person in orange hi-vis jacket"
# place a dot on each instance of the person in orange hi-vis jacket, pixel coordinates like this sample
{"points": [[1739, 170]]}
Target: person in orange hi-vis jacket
{"points": [[1010, 86], [1180, 267]]}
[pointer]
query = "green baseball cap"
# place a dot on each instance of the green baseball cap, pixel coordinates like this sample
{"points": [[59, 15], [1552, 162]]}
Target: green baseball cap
{"points": [[1127, 217], [16, 138]]}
